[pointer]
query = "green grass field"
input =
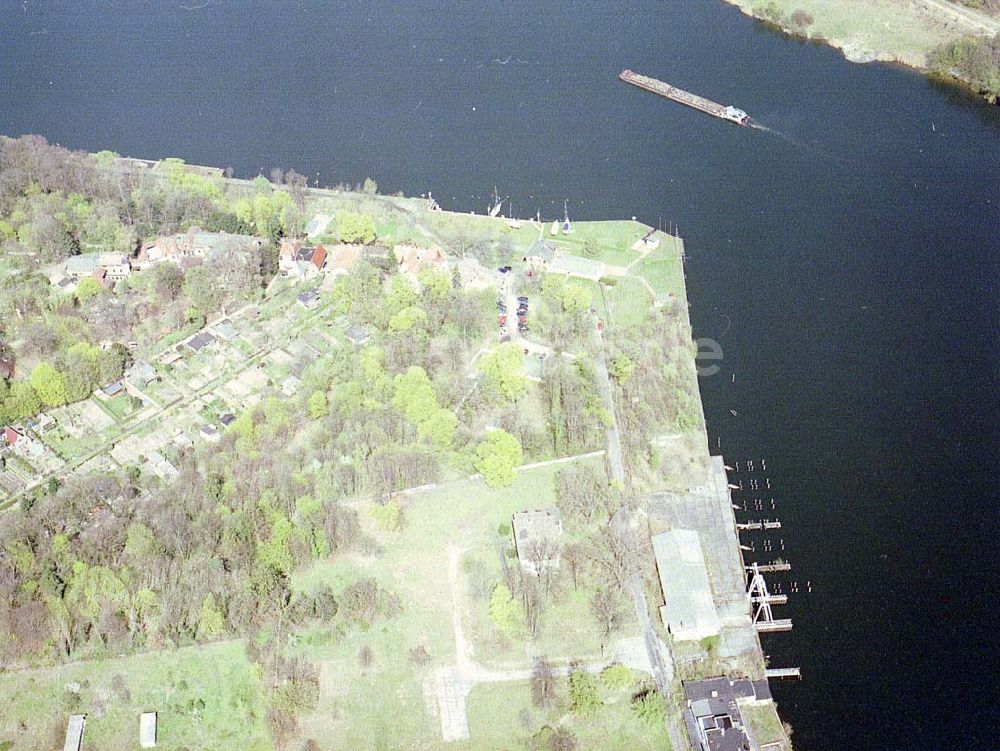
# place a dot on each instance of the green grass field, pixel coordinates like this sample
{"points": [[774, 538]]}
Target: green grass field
{"points": [[208, 697], [382, 706], [496, 712], [628, 302], [663, 269]]}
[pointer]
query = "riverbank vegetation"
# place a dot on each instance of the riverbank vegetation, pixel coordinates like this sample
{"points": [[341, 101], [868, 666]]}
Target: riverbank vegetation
{"points": [[975, 60]]}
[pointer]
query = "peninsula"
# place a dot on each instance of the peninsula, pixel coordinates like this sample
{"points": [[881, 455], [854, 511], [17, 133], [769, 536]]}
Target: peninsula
{"points": [[296, 467], [954, 38]]}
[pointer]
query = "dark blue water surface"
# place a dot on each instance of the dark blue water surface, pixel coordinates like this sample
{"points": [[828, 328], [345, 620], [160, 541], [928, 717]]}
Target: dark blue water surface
{"points": [[855, 253]]}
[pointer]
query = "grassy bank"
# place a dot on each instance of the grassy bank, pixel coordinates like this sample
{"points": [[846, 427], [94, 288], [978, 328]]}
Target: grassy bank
{"points": [[931, 35]]}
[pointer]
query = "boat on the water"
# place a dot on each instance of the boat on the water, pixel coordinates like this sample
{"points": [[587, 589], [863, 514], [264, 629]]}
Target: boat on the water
{"points": [[724, 112]]}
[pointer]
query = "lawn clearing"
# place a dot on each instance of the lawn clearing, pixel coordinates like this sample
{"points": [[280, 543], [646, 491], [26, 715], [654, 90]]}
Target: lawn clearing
{"points": [[628, 303], [381, 705], [208, 697]]}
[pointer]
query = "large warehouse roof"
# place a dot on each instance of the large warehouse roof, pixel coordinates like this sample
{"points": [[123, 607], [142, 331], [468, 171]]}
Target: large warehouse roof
{"points": [[689, 612]]}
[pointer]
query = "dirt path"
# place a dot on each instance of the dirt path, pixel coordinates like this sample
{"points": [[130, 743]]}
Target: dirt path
{"points": [[976, 21], [450, 685]]}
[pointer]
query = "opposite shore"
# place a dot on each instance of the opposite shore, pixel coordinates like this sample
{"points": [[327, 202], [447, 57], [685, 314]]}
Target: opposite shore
{"points": [[937, 37]]}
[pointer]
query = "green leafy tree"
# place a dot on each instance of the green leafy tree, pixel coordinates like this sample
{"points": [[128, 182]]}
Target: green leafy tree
{"points": [[22, 401], [274, 554], [318, 406], [87, 289], [439, 428], [503, 371], [650, 707], [621, 367], [414, 395], [211, 622], [407, 318], [199, 288], [505, 612], [617, 677], [355, 228], [583, 695], [497, 457], [112, 362], [49, 384], [435, 285]]}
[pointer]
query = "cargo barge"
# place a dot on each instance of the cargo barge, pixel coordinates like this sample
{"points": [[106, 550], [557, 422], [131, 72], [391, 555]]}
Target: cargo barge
{"points": [[730, 113]]}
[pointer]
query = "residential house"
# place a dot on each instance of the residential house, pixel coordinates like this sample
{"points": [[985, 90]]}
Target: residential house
{"points": [[195, 244], [712, 712], [538, 539], [161, 466], [309, 299], [199, 341], [538, 256], [210, 433], [358, 335], [296, 259], [225, 330], [412, 259], [340, 258], [113, 389]]}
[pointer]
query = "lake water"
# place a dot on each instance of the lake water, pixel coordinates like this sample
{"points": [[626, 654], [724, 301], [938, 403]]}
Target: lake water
{"points": [[848, 263]]}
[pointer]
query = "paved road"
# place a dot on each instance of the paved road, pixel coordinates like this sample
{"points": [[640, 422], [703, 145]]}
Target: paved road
{"points": [[661, 662]]}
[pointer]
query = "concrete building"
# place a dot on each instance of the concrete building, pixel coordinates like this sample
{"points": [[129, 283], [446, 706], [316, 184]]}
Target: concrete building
{"points": [[689, 612], [110, 266], [538, 539], [147, 730], [74, 732]]}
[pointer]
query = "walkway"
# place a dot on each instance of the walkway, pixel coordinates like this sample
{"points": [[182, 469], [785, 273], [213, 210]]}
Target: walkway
{"points": [[450, 685]]}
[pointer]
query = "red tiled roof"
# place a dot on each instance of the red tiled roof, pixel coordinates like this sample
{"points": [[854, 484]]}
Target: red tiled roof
{"points": [[10, 435], [319, 257]]}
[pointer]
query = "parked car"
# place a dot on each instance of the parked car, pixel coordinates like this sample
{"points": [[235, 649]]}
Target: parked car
{"points": [[523, 299]]}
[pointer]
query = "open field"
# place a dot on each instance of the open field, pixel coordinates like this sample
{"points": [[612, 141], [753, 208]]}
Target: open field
{"points": [[207, 697], [414, 566]]}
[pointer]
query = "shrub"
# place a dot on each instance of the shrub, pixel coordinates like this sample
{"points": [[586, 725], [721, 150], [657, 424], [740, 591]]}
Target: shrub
{"points": [[617, 676]]}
